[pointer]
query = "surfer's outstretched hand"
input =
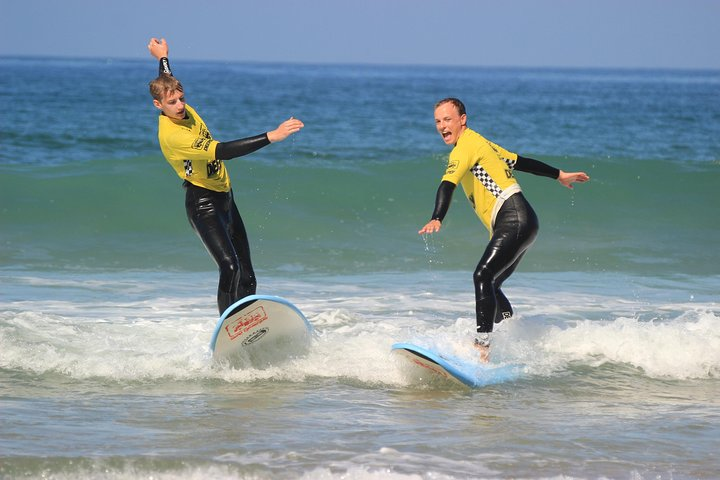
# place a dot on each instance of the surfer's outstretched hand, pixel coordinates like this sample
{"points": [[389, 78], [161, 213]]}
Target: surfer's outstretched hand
{"points": [[285, 129], [568, 178], [431, 227]]}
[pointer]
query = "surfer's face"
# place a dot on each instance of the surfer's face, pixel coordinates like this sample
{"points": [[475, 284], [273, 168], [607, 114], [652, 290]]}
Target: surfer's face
{"points": [[172, 105], [449, 123]]}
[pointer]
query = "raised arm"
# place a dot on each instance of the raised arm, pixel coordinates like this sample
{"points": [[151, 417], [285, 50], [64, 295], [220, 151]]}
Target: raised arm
{"points": [[159, 49], [236, 148]]}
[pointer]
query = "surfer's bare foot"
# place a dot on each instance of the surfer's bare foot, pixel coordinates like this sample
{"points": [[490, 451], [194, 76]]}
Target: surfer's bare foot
{"points": [[482, 345], [484, 353]]}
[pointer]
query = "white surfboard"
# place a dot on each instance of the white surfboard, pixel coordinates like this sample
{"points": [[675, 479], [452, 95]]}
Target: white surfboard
{"points": [[426, 364], [259, 331]]}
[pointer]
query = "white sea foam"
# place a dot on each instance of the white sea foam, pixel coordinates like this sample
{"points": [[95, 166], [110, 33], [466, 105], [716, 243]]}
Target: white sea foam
{"points": [[684, 347], [356, 323], [228, 472]]}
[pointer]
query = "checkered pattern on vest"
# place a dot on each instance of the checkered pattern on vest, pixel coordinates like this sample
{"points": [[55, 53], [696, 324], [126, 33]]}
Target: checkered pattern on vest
{"points": [[486, 180]]}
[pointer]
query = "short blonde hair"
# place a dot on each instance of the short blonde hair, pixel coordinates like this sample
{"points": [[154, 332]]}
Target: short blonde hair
{"points": [[164, 85]]}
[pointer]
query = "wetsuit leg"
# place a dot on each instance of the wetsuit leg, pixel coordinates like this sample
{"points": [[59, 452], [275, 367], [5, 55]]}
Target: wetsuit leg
{"points": [[211, 216], [504, 308], [247, 283], [516, 227]]}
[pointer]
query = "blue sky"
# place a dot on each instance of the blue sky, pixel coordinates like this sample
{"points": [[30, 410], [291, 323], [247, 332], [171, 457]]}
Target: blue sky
{"points": [[544, 33]]}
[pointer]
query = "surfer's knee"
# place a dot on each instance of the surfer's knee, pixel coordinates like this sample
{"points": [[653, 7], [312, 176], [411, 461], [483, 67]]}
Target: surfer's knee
{"points": [[230, 265], [484, 278], [229, 272]]}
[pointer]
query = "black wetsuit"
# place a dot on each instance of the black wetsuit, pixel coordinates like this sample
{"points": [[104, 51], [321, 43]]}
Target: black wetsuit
{"points": [[514, 231], [216, 220], [516, 227]]}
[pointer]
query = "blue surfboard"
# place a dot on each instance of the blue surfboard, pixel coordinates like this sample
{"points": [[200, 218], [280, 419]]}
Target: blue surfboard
{"points": [[259, 331], [425, 361]]}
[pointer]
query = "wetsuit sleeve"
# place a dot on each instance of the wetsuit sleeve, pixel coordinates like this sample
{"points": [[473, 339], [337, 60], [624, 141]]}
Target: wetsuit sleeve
{"points": [[442, 200], [243, 146], [536, 167], [164, 67]]}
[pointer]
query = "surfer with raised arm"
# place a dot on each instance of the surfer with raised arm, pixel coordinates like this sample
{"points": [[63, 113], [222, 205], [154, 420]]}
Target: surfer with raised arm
{"points": [[486, 172], [198, 159]]}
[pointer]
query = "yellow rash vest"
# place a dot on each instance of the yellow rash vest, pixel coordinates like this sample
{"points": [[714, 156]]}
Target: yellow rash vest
{"points": [[485, 171], [189, 148]]}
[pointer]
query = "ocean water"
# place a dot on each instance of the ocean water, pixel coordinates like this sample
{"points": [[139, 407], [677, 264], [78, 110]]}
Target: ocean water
{"points": [[107, 297]]}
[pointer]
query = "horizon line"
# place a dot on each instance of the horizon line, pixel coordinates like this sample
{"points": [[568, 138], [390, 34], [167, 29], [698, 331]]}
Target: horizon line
{"points": [[363, 64]]}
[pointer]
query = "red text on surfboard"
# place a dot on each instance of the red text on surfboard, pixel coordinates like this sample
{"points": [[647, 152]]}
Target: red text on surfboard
{"points": [[245, 322]]}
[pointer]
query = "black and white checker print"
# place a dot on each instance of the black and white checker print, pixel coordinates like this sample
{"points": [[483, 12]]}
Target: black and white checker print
{"points": [[188, 168], [487, 181]]}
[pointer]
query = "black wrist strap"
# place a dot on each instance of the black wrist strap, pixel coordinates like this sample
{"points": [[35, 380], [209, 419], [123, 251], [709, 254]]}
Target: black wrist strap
{"points": [[165, 67]]}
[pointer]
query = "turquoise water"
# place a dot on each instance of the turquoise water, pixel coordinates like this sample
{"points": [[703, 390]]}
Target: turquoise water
{"points": [[85, 170], [107, 297]]}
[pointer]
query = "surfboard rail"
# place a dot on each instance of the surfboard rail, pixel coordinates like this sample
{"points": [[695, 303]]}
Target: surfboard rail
{"points": [[455, 369]]}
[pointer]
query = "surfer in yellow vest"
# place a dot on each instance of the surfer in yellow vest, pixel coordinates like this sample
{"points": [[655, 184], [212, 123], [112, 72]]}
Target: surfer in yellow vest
{"points": [[485, 171], [198, 159]]}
